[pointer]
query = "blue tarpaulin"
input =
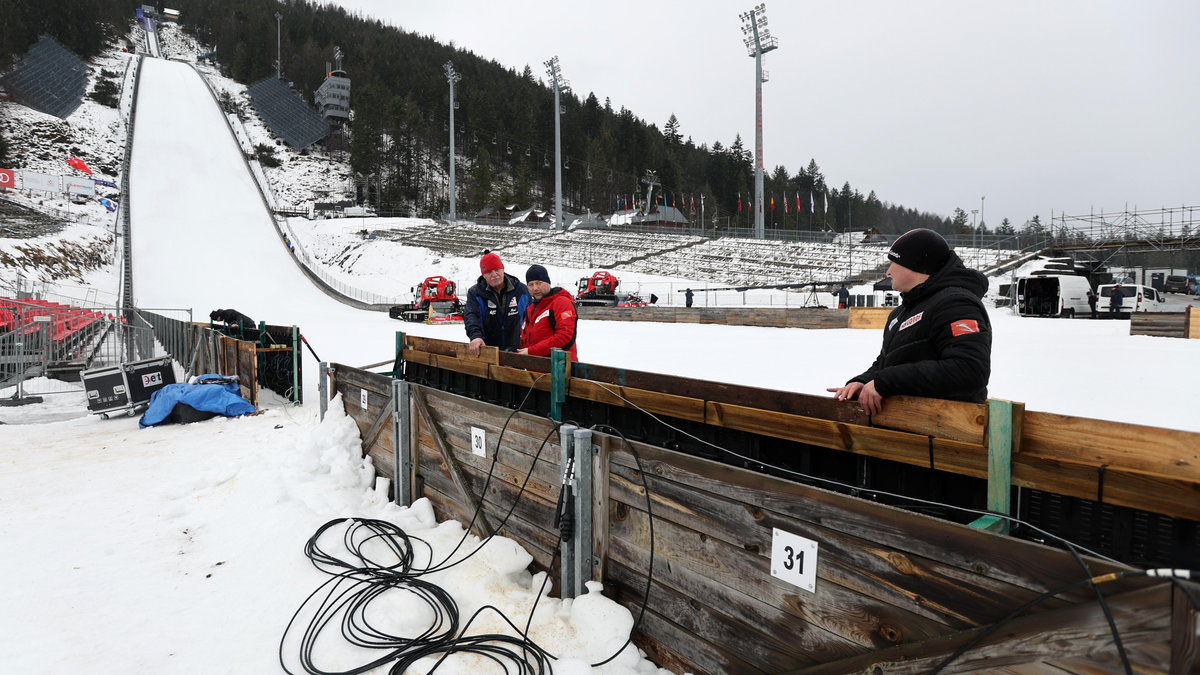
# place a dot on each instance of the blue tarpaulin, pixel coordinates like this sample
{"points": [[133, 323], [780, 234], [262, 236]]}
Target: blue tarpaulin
{"points": [[219, 397]]}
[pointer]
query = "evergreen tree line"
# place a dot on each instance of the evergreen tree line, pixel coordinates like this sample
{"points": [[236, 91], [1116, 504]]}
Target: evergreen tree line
{"points": [[504, 121]]}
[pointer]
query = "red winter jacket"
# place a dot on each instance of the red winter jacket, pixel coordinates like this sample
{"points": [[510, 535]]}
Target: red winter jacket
{"points": [[549, 324]]}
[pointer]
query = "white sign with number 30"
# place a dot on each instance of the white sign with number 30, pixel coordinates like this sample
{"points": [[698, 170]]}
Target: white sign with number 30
{"points": [[794, 559], [478, 442]]}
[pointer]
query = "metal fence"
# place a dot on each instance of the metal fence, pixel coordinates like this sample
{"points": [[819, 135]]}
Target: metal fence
{"points": [[45, 346], [269, 356]]}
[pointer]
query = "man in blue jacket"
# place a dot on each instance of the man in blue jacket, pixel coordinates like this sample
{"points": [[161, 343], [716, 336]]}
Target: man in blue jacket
{"points": [[495, 308], [938, 342]]}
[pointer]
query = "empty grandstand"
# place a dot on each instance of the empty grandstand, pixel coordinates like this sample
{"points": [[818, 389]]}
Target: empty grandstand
{"points": [[286, 114], [723, 260], [49, 79]]}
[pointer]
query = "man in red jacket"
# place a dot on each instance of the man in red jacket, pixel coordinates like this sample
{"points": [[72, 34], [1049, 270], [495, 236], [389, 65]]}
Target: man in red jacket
{"points": [[550, 319]]}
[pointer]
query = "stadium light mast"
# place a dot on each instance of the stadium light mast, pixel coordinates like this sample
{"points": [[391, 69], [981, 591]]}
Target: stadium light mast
{"points": [[452, 77], [278, 46], [759, 41], [981, 214], [560, 85]]}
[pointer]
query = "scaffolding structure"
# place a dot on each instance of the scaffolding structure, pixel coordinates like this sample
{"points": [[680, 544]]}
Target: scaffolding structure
{"points": [[1163, 229]]}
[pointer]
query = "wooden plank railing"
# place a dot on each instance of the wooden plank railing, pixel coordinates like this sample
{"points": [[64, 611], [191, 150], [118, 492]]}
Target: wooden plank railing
{"points": [[1142, 467]]}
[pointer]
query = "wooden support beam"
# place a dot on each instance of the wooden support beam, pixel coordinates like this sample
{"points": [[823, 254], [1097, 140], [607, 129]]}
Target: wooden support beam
{"points": [[456, 475]]}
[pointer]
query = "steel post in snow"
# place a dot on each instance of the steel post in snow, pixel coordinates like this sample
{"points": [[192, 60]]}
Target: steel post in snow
{"points": [[584, 463], [567, 567], [401, 437], [323, 387]]}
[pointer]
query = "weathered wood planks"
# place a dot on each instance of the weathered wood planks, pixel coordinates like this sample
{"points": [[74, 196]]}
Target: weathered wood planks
{"points": [[871, 318], [1159, 324], [894, 588], [1141, 467], [770, 317]]}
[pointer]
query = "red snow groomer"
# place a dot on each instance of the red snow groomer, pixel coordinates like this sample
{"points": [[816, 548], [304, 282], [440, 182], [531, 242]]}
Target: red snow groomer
{"points": [[435, 301], [600, 290]]}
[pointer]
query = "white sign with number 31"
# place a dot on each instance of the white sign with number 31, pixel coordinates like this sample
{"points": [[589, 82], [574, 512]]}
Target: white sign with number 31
{"points": [[794, 559]]}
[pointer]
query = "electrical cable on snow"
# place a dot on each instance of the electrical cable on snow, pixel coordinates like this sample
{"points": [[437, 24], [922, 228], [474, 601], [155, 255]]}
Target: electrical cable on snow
{"points": [[354, 585]]}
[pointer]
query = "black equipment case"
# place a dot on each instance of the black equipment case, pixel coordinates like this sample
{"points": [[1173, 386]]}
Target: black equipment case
{"points": [[127, 387]]}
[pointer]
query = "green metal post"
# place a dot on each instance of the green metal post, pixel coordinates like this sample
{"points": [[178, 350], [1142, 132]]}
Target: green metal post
{"points": [[558, 383], [1000, 445]]}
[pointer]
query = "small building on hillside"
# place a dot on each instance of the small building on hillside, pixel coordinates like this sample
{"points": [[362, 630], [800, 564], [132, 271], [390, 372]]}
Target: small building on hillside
{"points": [[659, 215]]}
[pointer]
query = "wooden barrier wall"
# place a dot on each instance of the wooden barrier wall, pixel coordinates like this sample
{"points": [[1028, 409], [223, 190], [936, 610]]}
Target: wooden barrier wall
{"points": [[895, 591], [221, 354], [1132, 465], [874, 318], [772, 317], [1192, 322], [1159, 324]]}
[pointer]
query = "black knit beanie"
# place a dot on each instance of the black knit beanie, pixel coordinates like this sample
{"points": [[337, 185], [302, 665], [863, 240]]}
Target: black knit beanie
{"points": [[537, 273], [920, 250]]}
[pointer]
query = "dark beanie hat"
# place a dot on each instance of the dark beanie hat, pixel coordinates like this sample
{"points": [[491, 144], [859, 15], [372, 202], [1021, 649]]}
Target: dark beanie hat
{"points": [[920, 250], [537, 273], [490, 261]]}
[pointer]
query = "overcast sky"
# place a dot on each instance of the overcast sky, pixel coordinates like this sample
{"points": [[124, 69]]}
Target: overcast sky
{"points": [[1065, 106]]}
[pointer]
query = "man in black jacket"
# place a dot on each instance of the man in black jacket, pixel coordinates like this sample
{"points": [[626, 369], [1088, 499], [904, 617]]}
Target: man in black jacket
{"points": [[938, 342], [495, 307]]}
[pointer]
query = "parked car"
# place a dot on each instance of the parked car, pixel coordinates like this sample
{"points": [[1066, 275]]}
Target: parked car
{"points": [[1177, 283], [1138, 298]]}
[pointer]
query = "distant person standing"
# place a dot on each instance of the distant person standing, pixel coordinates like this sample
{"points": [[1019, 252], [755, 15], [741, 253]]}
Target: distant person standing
{"points": [[1091, 298], [550, 321], [843, 297], [938, 342], [687, 297], [1116, 300], [495, 308]]}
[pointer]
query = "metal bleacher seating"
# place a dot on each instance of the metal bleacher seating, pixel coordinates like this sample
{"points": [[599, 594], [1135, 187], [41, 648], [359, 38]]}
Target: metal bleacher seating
{"points": [[49, 79], [466, 242], [286, 114]]}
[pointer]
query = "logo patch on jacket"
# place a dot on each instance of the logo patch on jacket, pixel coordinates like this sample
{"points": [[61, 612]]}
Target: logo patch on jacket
{"points": [[545, 313], [512, 302], [964, 327], [567, 314], [911, 320]]}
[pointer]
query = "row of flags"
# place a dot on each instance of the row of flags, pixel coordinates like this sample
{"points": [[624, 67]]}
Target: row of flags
{"points": [[680, 200], [688, 201], [812, 208]]}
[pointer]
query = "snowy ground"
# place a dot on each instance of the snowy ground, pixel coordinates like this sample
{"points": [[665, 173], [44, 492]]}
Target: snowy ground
{"points": [[179, 549]]}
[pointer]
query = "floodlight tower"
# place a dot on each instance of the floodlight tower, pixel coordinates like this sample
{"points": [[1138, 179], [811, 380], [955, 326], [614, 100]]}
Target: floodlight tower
{"points": [[278, 46], [758, 41], [560, 85], [452, 77]]}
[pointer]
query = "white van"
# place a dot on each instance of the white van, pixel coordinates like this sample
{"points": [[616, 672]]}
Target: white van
{"points": [[1053, 295], [1138, 298]]}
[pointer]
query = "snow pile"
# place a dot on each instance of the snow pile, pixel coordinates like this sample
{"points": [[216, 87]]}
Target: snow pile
{"points": [[180, 547]]}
